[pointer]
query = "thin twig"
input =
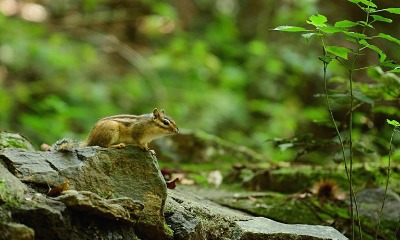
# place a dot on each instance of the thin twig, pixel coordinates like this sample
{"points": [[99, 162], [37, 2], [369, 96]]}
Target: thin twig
{"points": [[386, 186]]}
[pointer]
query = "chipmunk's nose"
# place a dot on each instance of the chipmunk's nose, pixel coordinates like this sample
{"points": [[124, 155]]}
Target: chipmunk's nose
{"points": [[176, 130]]}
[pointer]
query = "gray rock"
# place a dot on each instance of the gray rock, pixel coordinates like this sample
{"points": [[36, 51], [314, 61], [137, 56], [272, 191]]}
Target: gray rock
{"points": [[264, 228], [52, 219], [11, 188], [91, 203], [370, 203], [186, 227], [193, 217], [129, 172], [44, 216], [30, 166], [201, 218], [15, 231], [134, 207]]}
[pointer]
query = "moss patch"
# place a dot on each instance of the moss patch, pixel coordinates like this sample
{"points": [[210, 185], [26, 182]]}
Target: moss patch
{"points": [[14, 140]]}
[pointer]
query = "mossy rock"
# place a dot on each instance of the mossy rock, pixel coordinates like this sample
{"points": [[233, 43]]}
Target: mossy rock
{"points": [[293, 179], [193, 217], [14, 140]]}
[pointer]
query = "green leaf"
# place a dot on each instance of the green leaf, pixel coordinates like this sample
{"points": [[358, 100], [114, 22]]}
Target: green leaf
{"points": [[309, 35], [350, 39], [365, 2], [345, 24], [382, 55], [329, 29], [325, 59], [317, 20], [381, 19], [368, 3], [394, 123], [388, 37], [389, 64], [290, 29], [338, 51], [396, 70], [285, 146], [356, 35], [360, 96], [393, 10]]}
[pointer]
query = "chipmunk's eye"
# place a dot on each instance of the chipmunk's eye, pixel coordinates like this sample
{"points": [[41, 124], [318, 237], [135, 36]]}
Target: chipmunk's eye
{"points": [[166, 122]]}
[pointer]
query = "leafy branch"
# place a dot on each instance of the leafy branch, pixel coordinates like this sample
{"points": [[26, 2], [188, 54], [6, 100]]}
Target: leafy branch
{"points": [[348, 57]]}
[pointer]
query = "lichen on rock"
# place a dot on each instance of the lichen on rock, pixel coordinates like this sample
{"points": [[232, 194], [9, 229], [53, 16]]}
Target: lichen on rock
{"points": [[14, 140]]}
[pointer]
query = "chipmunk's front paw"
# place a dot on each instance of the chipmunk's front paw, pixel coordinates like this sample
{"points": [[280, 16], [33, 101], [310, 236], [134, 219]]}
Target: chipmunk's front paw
{"points": [[147, 149]]}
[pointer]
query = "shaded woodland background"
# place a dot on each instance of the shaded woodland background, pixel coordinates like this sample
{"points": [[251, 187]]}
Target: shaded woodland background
{"points": [[214, 66]]}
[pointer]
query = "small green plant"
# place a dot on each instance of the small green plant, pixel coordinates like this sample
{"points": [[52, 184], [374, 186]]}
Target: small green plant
{"points": [[396, 126], [359, 39]]}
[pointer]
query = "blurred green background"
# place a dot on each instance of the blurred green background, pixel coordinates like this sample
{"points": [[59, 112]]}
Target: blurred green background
{"points": [[213, 65]]}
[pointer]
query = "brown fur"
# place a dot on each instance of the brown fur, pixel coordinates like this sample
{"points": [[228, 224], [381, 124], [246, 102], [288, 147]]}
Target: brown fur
{"points": [[119, 130]]}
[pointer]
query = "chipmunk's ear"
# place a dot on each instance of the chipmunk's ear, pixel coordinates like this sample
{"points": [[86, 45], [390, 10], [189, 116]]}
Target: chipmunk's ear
{"points": [[156, 114], [162, 111]]}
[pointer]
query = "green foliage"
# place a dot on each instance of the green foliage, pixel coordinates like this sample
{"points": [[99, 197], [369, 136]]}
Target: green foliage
{"points": [[357, 36], [45, 77], [209, 72], [211, 66], [358, 45], [394, 123]]}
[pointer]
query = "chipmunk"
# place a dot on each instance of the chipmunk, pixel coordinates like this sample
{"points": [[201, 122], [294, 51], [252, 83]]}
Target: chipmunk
{"points": [[120, 130]]}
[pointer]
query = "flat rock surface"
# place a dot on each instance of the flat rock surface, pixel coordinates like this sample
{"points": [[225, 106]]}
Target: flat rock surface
{"points": [[200, 218], [264, 228]]}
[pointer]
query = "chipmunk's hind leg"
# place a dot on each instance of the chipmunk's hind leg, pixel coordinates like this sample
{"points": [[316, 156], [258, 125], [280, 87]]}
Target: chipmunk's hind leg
{"points": [[104, 134]]}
